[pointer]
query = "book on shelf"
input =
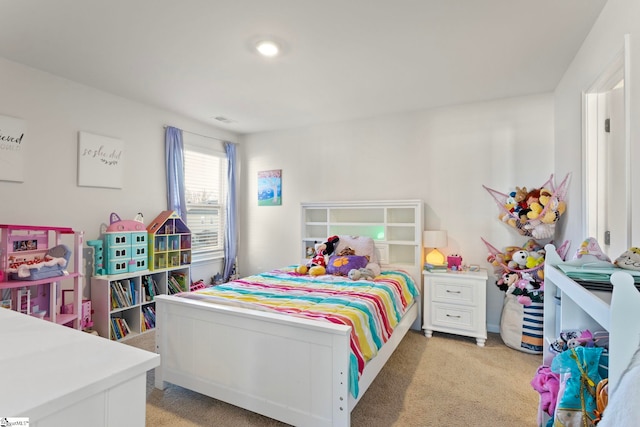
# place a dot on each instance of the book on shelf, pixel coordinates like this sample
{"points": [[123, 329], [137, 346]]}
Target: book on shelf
{"points": [[117, 300], [121, 294], [149, 316], [132, 292], [112, 331], [150, 288], [176, 283], [119, 328]]}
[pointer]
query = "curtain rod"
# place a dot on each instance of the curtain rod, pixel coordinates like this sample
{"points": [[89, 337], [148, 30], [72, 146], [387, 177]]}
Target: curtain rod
{"points": [[204, 136]]}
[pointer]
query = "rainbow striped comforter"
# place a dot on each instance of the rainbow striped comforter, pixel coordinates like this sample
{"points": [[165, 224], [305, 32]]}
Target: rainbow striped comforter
{"points": [[371, 308]]}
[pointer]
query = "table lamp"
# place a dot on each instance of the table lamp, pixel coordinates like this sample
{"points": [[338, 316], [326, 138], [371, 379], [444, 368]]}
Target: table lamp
{"points": [[434, 239]]}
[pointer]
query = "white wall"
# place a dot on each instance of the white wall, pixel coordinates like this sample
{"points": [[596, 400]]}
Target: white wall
{"points": [[55, 110], [442, 156], [604, 42]]}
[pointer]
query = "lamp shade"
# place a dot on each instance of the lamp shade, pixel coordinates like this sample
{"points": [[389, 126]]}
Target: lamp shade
{"points": [[434, 238]]}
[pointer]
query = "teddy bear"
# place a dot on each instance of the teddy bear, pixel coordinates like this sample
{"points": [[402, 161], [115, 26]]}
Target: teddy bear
{"points": [[346, 252]]}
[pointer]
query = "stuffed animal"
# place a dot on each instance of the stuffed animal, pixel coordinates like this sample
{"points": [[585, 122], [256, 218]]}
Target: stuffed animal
{"points": [[520, 259], [535, 209], [629, 259], [331, 244], [318, 259], [507, 280], [520, 197], [323, 251], [361, 273], [317, 270], [346, 252], [534, 259]]}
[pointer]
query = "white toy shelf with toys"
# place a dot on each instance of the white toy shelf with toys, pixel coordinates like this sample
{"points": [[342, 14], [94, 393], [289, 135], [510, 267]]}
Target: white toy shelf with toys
{"points": [[131, 265], [34, 264]]}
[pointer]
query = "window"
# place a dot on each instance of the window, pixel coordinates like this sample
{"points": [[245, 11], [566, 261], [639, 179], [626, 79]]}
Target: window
{"points": [[205, 174]]}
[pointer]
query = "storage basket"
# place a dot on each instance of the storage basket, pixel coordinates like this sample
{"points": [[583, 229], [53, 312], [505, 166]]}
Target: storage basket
{"points": [[512, 280], [536, 217]]}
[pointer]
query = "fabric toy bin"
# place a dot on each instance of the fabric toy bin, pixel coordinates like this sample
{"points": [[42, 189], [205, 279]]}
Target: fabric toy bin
{"points": [[522, 316], [521, 326]]}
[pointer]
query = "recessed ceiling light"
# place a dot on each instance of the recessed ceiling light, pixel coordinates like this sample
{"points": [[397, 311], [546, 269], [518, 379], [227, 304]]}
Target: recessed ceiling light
{"points": [[267, 48]]}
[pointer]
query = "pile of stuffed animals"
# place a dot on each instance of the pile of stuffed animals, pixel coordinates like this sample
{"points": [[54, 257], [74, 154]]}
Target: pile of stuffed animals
{"points": [[520, 270], [533, 212], [317, 266]]}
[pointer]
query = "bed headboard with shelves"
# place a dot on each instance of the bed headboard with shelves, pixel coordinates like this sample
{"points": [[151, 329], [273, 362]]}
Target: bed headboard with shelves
{"points": [[394, 225]]}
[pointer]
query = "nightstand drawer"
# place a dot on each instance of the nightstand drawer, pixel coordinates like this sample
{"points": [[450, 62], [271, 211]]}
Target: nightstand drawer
{"points": [[453, 316], [455, 293]]}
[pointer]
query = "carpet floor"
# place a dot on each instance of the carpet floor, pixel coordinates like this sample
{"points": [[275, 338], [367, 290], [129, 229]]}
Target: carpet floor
{"points": [[445, 380]]}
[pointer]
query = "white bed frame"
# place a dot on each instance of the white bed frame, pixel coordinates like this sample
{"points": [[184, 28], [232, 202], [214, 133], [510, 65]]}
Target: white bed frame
{"points": [[290, 369]]}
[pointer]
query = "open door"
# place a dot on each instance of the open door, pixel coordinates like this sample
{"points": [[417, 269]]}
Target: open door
{"points": [[607, 174]]}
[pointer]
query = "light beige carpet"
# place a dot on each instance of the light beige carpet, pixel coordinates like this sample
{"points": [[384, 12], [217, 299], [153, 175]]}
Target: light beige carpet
{"points": [[441, 381]]}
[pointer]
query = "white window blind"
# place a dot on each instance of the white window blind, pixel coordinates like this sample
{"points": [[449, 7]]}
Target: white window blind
{"points": [[205, 193]]}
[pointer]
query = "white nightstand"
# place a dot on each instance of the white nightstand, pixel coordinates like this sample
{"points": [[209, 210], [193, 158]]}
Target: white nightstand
{"points": [[456, 303]]}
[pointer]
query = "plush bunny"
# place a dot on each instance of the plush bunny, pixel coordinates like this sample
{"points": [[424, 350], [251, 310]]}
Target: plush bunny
{"points": [[361, 273]]}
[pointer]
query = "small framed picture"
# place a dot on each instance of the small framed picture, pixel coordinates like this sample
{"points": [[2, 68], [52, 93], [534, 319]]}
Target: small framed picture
{"points": [[310, 251], [270, 188]]}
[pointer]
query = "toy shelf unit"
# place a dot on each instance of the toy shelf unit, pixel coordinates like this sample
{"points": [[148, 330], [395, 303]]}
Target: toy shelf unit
{"points": [[123, 304], [393, 225], [34, 265], [570, 306], [169, 242]]}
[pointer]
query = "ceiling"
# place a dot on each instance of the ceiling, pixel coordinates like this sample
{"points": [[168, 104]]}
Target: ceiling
{"points": [[342, 60]]}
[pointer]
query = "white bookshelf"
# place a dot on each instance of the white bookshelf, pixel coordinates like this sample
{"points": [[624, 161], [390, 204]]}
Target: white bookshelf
{"points": [[133, 312]]}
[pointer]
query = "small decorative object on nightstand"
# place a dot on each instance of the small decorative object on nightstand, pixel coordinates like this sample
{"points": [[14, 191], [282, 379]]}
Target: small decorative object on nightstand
{"points": [[434, 239], [455, 302]]}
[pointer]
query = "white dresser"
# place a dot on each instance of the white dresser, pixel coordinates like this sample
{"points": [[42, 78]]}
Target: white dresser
{"points": [[57, 376], [456, 303]]}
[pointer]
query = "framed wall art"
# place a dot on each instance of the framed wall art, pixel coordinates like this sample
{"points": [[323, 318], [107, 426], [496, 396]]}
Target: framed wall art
{"points": [[270, 188], [100, 161], [12, 148]]}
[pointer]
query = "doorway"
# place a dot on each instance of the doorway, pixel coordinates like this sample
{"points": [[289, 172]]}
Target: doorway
{"points": [[607, 172]]}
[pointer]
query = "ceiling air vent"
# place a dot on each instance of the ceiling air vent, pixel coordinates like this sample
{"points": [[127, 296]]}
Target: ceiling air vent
{"points": [[224, 119]]}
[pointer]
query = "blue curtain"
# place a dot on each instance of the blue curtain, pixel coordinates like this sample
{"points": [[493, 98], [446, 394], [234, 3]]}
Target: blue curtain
{"points": [[174, 156], [231, 232]]}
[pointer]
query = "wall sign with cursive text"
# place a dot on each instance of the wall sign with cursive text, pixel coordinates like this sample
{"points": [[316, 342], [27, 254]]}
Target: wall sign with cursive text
{"points": [[100, 161], [12, 148]]}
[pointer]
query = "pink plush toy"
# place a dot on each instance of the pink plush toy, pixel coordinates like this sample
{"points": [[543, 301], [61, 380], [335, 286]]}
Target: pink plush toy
{"points": [[547, 383]]}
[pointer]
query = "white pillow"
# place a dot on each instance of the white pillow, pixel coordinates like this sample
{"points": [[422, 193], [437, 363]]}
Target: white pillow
{"points": [[362, 245]]}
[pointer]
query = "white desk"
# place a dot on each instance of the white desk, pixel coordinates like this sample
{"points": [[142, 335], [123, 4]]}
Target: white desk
{"points": [[58, 376]]}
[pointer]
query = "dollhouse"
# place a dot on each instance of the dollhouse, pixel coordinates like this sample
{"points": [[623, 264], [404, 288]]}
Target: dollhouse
{"points": [[34, 262], [125, 247], [169, 241]]}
